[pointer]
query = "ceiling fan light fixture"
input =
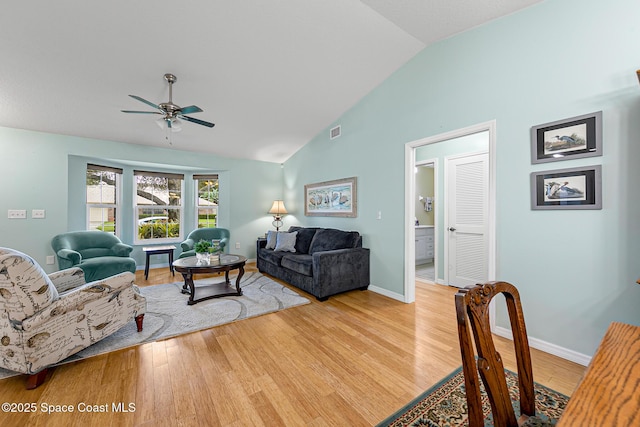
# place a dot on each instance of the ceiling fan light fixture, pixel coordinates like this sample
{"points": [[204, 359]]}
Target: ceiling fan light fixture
{"points": [[176, 125]]}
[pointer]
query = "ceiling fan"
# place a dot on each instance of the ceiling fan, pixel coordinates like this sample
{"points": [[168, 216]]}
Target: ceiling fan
{"points": [[171, 112]]}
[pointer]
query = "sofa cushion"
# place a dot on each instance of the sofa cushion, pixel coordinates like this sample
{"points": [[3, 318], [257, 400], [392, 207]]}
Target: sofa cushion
{"points": [[271, 239], [303, 240], [271, 256], [300, 263], [286, 242], [329, 239], [95, 252], [102, 267]]}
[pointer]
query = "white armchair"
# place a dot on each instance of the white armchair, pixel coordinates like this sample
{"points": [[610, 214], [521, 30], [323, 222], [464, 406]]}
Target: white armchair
{"points": [[46, 318]]}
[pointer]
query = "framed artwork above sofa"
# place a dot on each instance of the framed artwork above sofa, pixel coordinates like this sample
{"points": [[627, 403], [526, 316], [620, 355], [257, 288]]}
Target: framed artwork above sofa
{"points": [[332, 198]]}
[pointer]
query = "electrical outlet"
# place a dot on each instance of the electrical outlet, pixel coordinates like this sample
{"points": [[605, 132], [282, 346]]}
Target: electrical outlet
{"points": [[237, 245], [379, 215], [37, 213], [17, 213], [50, 259]]}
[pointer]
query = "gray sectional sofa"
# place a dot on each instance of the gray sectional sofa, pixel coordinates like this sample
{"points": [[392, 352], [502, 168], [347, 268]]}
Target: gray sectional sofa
{"points": [[324, 261]]}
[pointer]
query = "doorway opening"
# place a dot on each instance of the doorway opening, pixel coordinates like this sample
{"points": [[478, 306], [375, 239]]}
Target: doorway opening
{"points": [[426, 176], [427, 150]]}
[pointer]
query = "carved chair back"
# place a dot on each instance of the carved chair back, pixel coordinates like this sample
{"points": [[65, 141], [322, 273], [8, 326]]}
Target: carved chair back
{"points": [[472, 310]]}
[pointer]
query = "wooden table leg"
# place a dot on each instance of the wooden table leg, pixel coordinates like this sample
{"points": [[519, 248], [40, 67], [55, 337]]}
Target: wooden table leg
{"points": [[192, 286], [146, 267], [189, 287], [240, 274]]}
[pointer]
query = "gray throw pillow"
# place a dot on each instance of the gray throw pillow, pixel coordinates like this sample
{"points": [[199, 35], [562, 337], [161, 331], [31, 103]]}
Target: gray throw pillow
{"points": [[271, 239], [286, 242]]}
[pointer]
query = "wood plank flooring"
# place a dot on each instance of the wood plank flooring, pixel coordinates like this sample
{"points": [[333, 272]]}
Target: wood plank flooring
{"points": [[350, 361]]}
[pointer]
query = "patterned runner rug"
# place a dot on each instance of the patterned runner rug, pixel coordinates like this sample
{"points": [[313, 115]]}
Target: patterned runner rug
{"points": [[168, 314], [445, 404]]}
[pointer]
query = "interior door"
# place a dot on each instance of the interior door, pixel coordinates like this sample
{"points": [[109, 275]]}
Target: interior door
{"points": [[467, 219]]}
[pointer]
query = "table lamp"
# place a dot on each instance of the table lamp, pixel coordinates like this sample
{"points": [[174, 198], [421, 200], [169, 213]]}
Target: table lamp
{"points": [[277, 210]]}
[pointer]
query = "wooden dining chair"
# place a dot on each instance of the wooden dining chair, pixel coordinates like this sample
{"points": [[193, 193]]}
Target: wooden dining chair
{"points": [[472, 310]]}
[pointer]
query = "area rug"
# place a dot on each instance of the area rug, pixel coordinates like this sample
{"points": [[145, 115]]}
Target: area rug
{"points": [[445, 404], [168, 314]]}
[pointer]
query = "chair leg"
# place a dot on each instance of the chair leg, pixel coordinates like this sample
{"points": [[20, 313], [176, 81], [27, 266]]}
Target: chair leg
{"points": [[35, 380], [139, 320]]}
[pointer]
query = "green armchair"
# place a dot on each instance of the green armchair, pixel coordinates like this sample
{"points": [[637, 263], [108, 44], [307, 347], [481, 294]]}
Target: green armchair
{"points": [[98, 254], [209, 234]]}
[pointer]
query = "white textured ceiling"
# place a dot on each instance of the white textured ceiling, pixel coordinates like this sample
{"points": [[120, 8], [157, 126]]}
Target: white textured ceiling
{"points": [[270, 74]]}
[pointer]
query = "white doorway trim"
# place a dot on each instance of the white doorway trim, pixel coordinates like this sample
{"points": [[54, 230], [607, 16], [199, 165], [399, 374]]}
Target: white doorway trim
{"points": [[410, 203]]}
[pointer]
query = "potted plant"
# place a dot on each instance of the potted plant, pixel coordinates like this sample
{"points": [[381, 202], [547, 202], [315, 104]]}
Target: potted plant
{"points": [[202, 250]]}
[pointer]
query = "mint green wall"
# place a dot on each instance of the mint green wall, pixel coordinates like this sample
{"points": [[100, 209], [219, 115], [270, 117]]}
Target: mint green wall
{"points": [[36, 168], [474, 143], [576, 270]]}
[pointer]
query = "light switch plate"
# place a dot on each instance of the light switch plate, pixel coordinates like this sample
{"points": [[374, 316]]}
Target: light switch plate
{"points": [[17, 213]]}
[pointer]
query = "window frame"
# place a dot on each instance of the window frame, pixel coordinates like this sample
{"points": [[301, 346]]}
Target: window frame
{"points": [[117, 206], [136, 208], [196, 190]]}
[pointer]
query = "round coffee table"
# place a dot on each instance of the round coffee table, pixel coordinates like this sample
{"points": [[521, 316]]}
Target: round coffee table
{"points": [[227, 262]]}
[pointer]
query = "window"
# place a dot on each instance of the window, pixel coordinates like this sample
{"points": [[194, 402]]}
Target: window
{"points": [[158, 206], [206, 200], [103, 197]]}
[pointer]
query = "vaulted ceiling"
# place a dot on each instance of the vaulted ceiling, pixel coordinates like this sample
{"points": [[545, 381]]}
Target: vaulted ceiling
{"points": [[270, 74]]}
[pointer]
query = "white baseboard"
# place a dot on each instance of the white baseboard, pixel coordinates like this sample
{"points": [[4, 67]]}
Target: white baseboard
{"points": [[387, 293], [556, 350]]}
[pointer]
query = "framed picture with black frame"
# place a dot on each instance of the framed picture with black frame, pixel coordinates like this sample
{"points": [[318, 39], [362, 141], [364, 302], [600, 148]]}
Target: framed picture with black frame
{"points": [[572, 138], [572, 188]]}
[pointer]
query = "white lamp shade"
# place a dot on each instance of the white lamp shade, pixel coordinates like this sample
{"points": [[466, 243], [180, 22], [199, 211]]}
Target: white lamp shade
{"points": [[278, 208]]}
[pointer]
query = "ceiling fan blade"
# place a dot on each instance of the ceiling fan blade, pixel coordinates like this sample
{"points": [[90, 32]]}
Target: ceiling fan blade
{"points": [[145, 101], [141, 112], [197, 121], [191, 109]]}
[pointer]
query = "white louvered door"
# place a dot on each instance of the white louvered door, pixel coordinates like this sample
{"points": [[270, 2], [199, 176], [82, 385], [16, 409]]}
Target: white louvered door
{"points": [[467, 219]]}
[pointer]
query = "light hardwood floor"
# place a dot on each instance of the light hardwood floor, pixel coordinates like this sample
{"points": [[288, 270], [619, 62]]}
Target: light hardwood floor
{"points": [[350, 361]]}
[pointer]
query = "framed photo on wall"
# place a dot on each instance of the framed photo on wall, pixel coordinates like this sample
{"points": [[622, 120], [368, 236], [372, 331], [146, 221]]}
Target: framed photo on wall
{"points": [[572, 188], [332, 198], [566, 139]]}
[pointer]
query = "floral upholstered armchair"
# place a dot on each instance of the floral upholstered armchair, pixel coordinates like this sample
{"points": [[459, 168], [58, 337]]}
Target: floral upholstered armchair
{"points": [[46, 318]]}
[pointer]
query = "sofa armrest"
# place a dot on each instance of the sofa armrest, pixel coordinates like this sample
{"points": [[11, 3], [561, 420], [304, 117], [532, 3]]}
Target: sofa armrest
{"points": [[121, 249], [339, 270], [75, 298], [67, 279], [187, 245], [70, 255], [261, 243]]}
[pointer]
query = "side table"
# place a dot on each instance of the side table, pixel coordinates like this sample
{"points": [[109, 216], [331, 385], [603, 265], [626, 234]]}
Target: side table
{"points": [[158, 250]]}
